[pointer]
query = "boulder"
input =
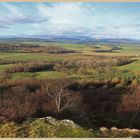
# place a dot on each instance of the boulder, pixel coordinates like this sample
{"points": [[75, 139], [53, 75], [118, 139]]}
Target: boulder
{"points": [[65, 122]]}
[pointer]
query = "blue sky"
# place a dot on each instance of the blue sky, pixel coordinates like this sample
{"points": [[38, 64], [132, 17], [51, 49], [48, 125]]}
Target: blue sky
{"points": [[97, 20]]}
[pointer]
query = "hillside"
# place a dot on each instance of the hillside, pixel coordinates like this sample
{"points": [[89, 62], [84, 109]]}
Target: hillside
{"points": [[50, 127], [97, 85]]}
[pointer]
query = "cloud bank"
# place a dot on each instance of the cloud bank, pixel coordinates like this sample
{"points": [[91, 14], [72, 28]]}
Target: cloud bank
{"points": [[97, 20]]}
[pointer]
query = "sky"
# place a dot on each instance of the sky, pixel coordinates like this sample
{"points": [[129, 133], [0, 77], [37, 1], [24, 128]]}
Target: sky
{"points": [[92, 19]]}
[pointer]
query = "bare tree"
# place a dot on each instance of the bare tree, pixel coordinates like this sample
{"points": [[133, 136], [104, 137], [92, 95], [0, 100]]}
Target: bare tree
{"points": [[60, 95]]}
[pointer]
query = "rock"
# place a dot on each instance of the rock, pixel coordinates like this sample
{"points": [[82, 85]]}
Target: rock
{"points": [[53, 121], [114, 129], [125, 131], [135, 130], [69, 123], [104, 129]]}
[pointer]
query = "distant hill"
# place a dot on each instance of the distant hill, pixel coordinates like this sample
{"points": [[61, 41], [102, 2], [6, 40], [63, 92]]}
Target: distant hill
{"points": [[67, 39], [23, 40]]}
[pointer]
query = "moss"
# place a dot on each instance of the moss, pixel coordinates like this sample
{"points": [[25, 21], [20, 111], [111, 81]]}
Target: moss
{"points": [[74, 132], [40, 128]]}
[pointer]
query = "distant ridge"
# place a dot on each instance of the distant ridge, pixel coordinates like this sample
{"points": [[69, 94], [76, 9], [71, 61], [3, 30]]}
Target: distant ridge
{"points": [[66, 39]]}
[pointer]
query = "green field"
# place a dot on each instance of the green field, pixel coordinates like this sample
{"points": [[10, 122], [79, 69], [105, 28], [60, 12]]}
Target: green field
{"points": [[28, 57], [85, 50], [134, 67], [38, 75], [5, 66]]}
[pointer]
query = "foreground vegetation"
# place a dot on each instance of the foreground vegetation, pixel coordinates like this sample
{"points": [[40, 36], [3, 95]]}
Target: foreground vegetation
{"points": [[49, 127]]}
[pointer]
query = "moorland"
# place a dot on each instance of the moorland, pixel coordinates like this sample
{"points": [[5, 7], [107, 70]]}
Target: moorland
{"points": [[94, 85]]}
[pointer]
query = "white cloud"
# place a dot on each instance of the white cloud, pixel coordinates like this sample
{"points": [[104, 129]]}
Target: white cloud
{"points": [[13, 9], [65, 14], [89, 19]]}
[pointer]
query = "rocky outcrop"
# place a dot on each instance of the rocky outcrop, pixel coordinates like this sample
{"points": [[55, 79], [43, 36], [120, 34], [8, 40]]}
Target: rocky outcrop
{"points": [[115, 132], [65, 122]]}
